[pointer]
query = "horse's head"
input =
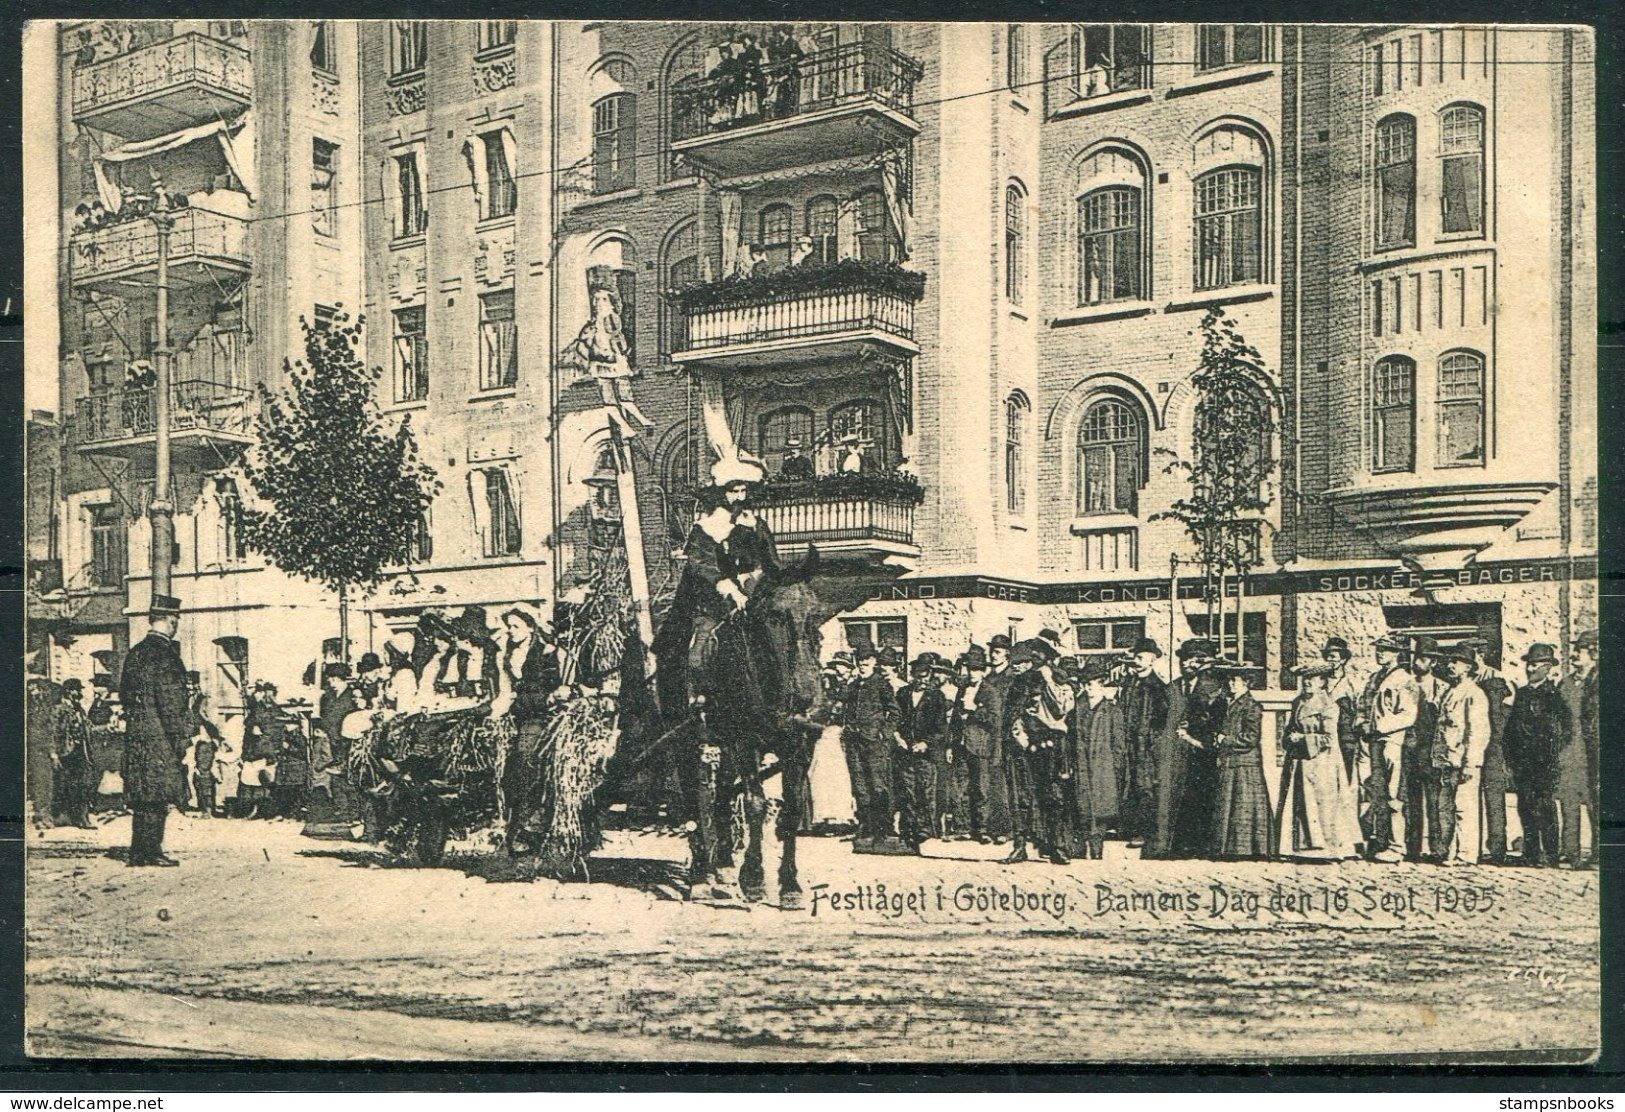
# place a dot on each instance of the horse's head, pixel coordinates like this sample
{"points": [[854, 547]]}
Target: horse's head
{"points": [[791, 614]]}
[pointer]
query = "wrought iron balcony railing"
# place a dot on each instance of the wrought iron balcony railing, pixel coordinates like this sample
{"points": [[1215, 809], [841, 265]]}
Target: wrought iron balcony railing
{"points": [[788, 89], [838, 510], [130, 413], [129, 250], [171, 80]]}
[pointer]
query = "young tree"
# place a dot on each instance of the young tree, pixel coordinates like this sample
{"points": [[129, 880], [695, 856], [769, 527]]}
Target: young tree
{"points": [[340, 493], [1231, 466]]}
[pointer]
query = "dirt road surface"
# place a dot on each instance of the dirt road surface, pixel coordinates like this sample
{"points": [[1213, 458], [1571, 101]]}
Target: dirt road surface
{"points": [[269, 944]]}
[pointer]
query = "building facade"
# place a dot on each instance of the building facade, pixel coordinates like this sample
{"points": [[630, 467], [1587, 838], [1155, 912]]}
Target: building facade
{"points": [[945, 281]]}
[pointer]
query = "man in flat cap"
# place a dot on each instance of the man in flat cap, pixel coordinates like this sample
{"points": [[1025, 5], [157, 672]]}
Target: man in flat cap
{"points": [[1458, 757], [1583, 699], [1388, 708], [1098, 760], [152, 690], [1538, 730], [974, 726], [868, 739], [1497, 776], [1142, 697]]}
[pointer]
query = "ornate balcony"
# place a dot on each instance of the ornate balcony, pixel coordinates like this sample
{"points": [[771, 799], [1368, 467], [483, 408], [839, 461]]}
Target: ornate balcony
{"points": [[851, 101], [867, 518], [185, 81], [799, 315], [208, 422], [204, 247], [1441, 527]]}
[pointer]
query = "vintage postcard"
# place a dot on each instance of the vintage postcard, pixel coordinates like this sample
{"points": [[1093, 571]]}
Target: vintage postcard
{"points": [[811, 542]]}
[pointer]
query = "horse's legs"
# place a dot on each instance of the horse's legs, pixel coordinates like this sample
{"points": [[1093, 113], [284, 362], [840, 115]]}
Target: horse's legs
{"points": [[796, 805], [752, 877]]}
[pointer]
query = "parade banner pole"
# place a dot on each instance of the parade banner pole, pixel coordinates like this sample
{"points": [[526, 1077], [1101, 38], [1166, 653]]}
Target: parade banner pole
{"points": [[626, 488]]}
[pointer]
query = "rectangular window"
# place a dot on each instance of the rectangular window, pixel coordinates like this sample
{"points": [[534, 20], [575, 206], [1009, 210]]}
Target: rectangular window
{"points": [[109, 561], [501, 190], [614, 141], [326, 317], [877, 634], [412, 217], [1115, 58], [324, 174], [876, 239], [1394, 413], [1375, 55], [1376, 307], [1015, 57], [1228, 229], [409, 46], [1015, 263], [1462, 166], [1108, 637], [1219, 45], [499, 341], [494, 34], [322, 54], [1254, 639], [1109, 246], [1395, 164], [411, 355], [502, 515], [420, 542]]}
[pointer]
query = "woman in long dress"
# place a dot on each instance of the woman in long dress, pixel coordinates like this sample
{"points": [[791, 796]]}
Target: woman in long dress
{"points": [[1242, 818], [1316, 821]]}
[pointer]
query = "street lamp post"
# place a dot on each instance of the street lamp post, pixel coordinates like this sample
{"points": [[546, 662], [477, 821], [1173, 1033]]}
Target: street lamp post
{"points": [[162, 511]]}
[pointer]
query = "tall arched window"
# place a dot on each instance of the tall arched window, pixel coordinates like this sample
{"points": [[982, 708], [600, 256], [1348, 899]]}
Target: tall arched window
{"points": [[1460, 401], [1015, 247], [778, 429], [823, 218], [1111, 444], [681, 268], [1229, 227], [877, 240], [1015, 57], [1393, 415], [1111, 256], [1461, 167], [683, 112], [773, 233], [614, 143], [1393, 164], [1017, 414]]}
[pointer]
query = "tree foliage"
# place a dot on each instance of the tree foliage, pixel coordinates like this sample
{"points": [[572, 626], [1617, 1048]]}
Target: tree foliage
{"points": [[340, 493], [1232, 462]]}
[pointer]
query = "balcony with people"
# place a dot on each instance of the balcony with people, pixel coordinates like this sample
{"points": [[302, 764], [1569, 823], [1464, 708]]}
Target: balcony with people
{"points": [[132, 84], [210, 408], [782, 97]]}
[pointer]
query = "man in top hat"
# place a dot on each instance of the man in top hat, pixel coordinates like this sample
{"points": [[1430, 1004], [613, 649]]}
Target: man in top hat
{"points": [[1538, 731], [1142, 696], [152, 690], [1583, 701], [1387, 711], [796, 466], [1421, 794], [1187, 768], [869, 719], [975, 719], [1458, 757], [1035, 733], [922, 720], [1496, 776]]}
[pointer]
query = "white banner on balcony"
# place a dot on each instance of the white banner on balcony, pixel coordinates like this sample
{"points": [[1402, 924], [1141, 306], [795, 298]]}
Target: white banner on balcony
{"points": [[729, 202], [107, 185], [714, 412], [891, 180]]}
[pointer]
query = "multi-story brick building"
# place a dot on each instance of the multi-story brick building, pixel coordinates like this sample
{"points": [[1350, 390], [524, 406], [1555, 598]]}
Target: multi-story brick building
{"points": [[963, 265]]}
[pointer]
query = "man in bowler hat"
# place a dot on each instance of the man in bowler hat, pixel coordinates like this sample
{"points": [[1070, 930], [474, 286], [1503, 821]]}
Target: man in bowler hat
{"points": [[1537, 733], [152, 690]]}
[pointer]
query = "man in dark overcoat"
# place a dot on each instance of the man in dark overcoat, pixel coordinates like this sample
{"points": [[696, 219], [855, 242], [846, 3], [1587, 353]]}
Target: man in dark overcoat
{"points": [[1537, 732], [1143, 698], [868, 736], [1185, 773], [977, 714], [922, 722], [152, 690], [1588, 726]]}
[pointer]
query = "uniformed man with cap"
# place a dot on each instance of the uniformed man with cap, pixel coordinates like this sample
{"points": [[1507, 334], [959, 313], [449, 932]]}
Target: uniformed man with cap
{"points": [[152, 690], [868, 732], [1458, 756], [1388, 709]]}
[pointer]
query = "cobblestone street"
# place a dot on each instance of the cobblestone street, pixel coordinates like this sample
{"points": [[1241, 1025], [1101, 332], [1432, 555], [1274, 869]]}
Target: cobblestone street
{"points": [[306, 949]]}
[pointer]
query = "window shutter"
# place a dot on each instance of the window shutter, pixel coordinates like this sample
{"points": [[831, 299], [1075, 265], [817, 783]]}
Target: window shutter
{"points": [[480, 502]]}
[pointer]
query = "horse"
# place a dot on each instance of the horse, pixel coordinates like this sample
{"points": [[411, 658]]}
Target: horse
{"points": [[761, 697]]}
